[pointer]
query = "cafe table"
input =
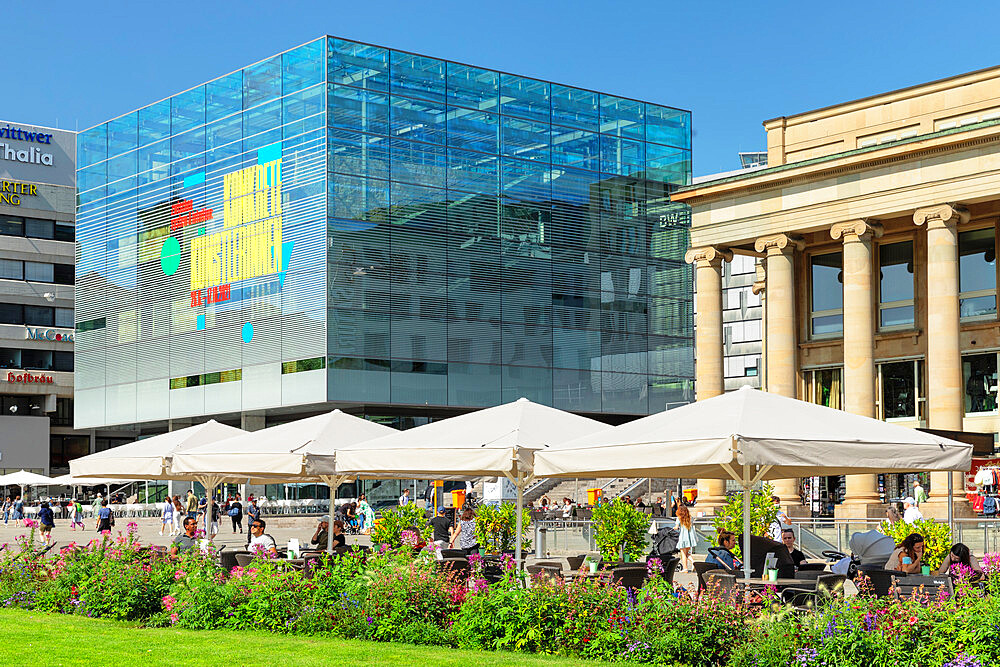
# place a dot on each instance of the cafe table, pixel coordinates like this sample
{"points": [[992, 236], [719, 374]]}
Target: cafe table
{"points": [[781, 582]]}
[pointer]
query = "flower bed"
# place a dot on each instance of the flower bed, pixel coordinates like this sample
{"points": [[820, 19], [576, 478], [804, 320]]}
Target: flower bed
{"points": [[397, 596]]}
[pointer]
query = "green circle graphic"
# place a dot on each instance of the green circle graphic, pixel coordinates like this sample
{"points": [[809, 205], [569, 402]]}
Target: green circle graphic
{"points": [[170, 256]]}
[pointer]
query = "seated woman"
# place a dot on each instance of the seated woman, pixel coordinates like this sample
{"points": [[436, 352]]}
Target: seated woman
{"points": [[908, 556], [723, 557], [788, 539], [960, 555]]}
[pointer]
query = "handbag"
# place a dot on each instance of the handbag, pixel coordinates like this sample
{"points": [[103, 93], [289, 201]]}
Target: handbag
{"points": [[233, 512]]}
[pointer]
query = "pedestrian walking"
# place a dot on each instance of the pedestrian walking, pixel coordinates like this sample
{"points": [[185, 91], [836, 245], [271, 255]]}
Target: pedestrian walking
{"points": [[687, 538], [76, 512], [236, 513], [46, 522], [17, 511], [167, 516], [105, 518]]}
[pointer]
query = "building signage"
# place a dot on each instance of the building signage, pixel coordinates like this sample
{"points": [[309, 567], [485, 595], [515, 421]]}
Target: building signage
{"points": [[48, 334], [28, 378], [12, 191], [30, 155]]}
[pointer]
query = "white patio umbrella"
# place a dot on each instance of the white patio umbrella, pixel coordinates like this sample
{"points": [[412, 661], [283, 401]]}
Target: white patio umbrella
{"points": [[149, 458], [490, 442], [69, 480], [302, 450], [23, 478], [749, 436]]}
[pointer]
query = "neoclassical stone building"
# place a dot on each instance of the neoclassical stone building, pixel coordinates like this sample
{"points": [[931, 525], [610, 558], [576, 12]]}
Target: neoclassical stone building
{"points": [[876, 225]]}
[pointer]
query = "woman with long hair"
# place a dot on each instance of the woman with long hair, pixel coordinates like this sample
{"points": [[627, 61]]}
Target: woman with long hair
{"points": [[466, 532], [687, 538], [178, 516], [961, 555], [908, 555]]}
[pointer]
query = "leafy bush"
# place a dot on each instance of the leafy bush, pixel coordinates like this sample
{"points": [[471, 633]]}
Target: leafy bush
{"points": [[617, 526], [763, 514], [389, 527], [937, 538], [496, 526]]}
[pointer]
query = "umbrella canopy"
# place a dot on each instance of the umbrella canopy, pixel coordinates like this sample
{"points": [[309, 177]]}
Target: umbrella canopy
{"points": [[25, 478], [493, 441], [299, 450], [149, 458], [776, 436], [69, 480]]}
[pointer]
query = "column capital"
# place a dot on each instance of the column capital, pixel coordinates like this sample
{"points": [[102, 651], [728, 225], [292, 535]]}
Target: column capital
{"points": [[942, 215], [707, 255], [856, 230], [779, 242], [759, 279]]}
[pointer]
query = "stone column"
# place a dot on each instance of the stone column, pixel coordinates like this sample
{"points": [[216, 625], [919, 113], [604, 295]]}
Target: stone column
{"points": [[780, 337], [945, 396], [862, 498], [709, 376]]}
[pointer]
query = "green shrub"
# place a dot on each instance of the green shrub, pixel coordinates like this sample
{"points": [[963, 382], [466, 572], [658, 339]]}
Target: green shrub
{"points": [[763, 514], [937, 538], [497, 524], [389, 527], [618, 527]]}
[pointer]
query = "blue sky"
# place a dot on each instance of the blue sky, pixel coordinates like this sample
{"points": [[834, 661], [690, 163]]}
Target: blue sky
{"points": [[734, 65]]}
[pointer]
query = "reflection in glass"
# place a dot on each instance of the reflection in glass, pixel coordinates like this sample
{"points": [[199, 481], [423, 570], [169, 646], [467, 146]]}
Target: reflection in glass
{"points": [[827, 295], [899, 390], [979, 372], [977, 273], [896, 285]]}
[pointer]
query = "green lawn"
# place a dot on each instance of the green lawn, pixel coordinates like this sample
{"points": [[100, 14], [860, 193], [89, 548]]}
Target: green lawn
{"points": [[53, 639]]}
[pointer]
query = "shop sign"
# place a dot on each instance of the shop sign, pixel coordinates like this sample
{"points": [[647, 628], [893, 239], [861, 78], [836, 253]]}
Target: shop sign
{"points": [[28, 378], [48, 334], [12, 191]]}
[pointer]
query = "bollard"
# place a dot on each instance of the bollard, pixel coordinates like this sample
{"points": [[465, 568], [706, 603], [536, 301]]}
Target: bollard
{"points": [[540, 541]]}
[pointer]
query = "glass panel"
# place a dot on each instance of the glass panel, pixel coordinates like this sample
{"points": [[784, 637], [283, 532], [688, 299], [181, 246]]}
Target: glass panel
{"points": [[417, 76], [622, 117], [262, 125], [899, 391], [575, 107], [979, 372], [224, 97], [358, 65], [474, 130], [11, 225], [302, 111], [671, 165], [39, 229], [38, 272], [472, 87], [827, 388], [896, 261], [575, 148], [40, 316], [417, 120], [262, 82], [92, 146], [10, 313], [357, 109], [827, 283], [525, 139], [63, 274], [187, 110], [123, 134], [65, 231], [978, 306], [977, 260], [10, 357], [828, 324], [64, 362], [527, 98], [302, 67], [624, 156], [668, 126], [64, 317], [154, 122], [11, 269], [356, 153], [36, 360], [896, 316]]}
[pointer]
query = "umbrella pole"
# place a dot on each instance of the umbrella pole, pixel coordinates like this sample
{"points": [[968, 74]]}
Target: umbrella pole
{"points": [[517, 521], [746, 522], [951, 503]]}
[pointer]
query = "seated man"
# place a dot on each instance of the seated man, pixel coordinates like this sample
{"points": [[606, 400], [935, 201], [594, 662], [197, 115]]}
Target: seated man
{"points": [[186, 540], [788, 539], [337, 535], [322, 535], [259, 542], [723, 557]]}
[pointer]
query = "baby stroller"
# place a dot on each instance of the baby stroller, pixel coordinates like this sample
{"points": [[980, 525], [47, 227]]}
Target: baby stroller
{"points": [[869, 550], [665, 549]]}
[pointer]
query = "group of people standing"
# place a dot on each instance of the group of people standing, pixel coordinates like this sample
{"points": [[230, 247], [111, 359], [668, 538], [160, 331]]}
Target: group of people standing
{"points": [[173, 512]]}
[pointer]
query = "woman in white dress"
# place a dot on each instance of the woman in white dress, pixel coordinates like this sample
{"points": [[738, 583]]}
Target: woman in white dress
{"points": [[687, 538]]}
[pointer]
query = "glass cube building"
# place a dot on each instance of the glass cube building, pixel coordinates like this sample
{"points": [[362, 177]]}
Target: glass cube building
{"points": [[349, 225]]}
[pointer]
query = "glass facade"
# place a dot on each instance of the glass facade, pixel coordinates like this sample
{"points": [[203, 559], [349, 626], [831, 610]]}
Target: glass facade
{"points": [[344, 222]]}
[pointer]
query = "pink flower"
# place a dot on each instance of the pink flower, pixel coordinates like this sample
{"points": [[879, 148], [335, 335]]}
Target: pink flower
{"points": [[912, 620], [174, 618], [168, 602], [179, 574]]}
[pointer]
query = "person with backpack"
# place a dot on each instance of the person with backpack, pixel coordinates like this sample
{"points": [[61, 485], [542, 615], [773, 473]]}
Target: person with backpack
{"points": [[236, 514], [105, 518], [46, 522], [17, 513], [76, 512]]}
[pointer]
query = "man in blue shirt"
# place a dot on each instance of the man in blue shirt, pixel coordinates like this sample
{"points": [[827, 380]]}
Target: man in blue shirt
{"points": [[723, 557]]}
